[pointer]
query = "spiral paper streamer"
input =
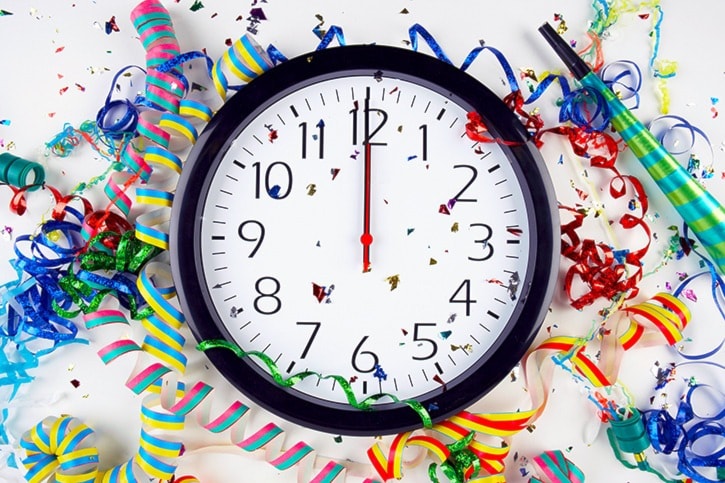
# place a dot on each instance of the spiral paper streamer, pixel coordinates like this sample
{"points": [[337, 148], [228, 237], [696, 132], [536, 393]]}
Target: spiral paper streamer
{"points": [[62, 447]]}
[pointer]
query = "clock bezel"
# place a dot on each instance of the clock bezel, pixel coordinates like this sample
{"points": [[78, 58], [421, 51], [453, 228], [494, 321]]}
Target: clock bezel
{"points": [[228, 123]]}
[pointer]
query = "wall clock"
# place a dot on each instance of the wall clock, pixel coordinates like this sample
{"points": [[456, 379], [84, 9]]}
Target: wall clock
{"points": [[334, 216]]}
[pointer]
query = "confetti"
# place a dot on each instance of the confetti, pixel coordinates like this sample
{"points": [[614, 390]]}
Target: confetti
{"points": [[445, 334], [454, 227], [432, 261], [663, 375], [393, 280], [274, 191], [5, 122], [514, 230], [111, 26], [322, 293], [311, 189], [75, 382], [318, 30], [440, 381], [256, 16], [334, 172], [379, 373], [197, 5], [410, 230], [513, 285], [3, 13]]}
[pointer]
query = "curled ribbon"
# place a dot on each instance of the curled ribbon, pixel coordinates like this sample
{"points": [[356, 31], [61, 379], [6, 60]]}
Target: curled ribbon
{"points": [[461, 464], [60, 449], [557, 469]]}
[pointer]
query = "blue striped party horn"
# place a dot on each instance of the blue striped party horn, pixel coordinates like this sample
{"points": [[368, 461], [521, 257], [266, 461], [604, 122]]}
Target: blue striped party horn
{"points": [[699, 209]]}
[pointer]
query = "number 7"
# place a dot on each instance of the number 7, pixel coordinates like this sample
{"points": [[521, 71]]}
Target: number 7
{"points": [[312, 337]]}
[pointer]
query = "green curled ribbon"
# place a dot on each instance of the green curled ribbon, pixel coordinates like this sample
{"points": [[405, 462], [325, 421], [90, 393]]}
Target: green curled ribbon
{"points": [[365, 404], [130, 255], [459, 461]]}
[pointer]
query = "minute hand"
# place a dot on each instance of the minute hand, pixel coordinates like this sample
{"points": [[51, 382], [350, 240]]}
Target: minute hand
{"points": [[701, 211], [367, 238]]}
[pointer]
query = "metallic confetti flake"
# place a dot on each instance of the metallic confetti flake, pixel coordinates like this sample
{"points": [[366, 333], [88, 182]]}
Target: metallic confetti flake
{"points": [[432, 261], [197, 5], [690, 295], [454, 227], [274, 191], [445, 334], [380, 373], [311, 189], [440, 381], [393, 280], [111, 25], [513, 285]]}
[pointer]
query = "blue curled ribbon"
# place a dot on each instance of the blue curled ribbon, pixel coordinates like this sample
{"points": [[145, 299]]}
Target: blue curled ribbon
{"points": [[334, 32], [418, 30], [576, 109], [680, 434], [125, 124], [615, 80], [717, 291], [170, 66], [679, 123]]}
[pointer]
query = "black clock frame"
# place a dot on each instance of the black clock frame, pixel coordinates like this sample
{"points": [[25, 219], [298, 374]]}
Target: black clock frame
{"points": [[372, 60]]}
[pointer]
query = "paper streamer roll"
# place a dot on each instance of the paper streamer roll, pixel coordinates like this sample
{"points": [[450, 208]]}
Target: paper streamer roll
{"points": [[20, 172], [60, 449]]}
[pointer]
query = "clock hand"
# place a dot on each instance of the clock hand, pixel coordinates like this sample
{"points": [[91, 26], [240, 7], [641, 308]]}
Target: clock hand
{"points": [[366, 238]]}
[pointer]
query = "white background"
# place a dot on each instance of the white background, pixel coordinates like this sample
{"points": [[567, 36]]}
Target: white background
{"points": [[35, 69]]}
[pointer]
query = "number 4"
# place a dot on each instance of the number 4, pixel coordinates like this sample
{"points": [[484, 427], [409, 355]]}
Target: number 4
{"points": [[466, 297]]}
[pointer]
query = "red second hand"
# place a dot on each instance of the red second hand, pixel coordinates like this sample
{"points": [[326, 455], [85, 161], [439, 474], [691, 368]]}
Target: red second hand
{"points": [[366, 238]]}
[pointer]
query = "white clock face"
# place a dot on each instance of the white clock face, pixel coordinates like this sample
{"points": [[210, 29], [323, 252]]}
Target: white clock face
{"points": [[291, 274]]}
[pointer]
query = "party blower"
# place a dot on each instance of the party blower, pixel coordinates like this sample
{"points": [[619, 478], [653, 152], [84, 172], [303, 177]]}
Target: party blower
{"points": [[704, 215]]}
